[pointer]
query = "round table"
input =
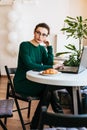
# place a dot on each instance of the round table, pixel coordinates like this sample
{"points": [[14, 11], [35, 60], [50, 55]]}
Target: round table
{"points": [[61, 79]]}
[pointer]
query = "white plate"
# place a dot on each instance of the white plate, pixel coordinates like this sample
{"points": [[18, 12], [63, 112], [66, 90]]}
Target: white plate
{"points": [[41, 73]]}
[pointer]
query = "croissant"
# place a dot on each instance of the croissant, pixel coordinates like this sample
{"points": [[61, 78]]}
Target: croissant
{"points": [[50, 71]]}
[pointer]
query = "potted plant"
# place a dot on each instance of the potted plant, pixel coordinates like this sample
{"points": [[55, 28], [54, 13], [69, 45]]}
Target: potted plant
{"points": [[76, 28]]}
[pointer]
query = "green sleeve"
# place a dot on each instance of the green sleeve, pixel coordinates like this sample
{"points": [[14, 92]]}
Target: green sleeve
{"points": [[27, 60], [48, 56]]}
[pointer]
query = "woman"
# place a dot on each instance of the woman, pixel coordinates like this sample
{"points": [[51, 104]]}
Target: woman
{"points": [[33, 56]]}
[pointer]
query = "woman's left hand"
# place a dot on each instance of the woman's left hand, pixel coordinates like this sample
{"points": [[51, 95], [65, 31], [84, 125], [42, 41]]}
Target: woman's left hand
{"points": [[46, 43]]}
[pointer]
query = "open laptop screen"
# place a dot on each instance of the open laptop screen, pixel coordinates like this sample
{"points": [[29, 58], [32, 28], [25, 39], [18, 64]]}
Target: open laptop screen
{"points": [[83, 62], [82, 66]]}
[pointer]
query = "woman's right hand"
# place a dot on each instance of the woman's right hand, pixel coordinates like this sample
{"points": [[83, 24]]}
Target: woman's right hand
{"points": [[57, 66]]}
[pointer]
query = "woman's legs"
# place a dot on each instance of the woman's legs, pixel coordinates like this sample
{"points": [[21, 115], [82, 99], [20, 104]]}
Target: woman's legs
{"points": [[55, 102], [49, 95], [44, 100]]}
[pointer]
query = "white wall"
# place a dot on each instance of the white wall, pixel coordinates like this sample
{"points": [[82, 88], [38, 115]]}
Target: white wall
{"points": [[5, 58], [75, 8], [17, 24]]}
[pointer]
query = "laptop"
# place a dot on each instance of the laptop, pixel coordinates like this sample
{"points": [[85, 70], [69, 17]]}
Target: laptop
{"points": [[82, 66]]}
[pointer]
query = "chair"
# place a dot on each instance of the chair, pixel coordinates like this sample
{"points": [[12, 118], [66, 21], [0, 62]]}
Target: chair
{"points": [[11, 93], [6, 107], [61, 120], [64, 97]]}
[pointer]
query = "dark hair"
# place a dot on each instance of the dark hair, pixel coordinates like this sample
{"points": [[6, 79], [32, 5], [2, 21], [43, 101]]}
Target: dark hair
{"points": [[44, 25]]}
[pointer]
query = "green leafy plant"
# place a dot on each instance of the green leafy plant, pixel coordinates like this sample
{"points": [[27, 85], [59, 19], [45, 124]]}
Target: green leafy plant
{"points": [[76, 28]]}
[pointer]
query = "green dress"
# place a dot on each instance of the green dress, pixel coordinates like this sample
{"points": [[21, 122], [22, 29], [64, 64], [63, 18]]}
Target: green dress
{"points": [[31, 58]]}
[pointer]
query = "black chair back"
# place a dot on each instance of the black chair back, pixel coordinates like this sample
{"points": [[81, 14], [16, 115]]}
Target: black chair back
{"points": [[10, 71], [11, 93], [61, 120]]}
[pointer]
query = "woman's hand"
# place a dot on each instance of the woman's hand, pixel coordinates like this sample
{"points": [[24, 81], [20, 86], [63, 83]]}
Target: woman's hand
{"points": [[57, 66], [46, 43]]}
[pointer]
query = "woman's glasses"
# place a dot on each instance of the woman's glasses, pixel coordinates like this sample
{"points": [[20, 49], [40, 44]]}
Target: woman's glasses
{"points": [[41, 34]]}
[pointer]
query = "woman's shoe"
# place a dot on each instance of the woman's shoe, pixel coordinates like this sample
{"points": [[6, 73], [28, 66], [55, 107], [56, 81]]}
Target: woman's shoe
{"points": [[56, 107]]}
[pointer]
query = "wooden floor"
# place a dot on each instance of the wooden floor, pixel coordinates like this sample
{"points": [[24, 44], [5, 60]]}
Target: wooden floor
{"points": [[14, 122]]}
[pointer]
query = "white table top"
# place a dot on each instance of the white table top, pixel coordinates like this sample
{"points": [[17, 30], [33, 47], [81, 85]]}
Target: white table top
{"points": [[62, 79]]}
